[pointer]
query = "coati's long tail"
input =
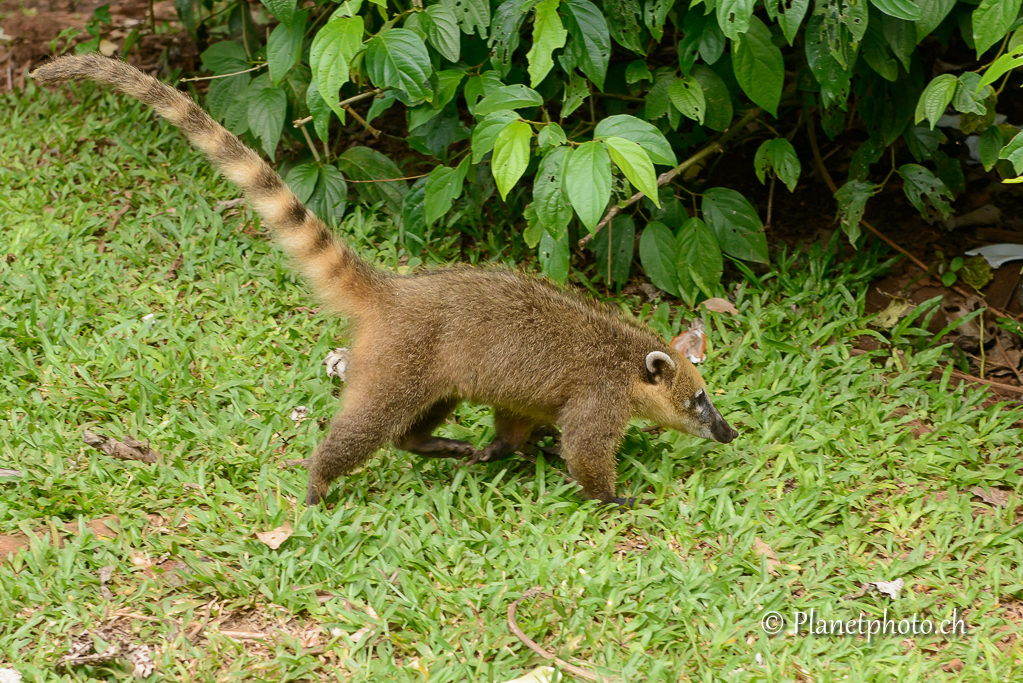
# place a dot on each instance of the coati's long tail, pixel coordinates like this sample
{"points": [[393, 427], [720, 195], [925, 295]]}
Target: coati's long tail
{"points": [[339, 277]]}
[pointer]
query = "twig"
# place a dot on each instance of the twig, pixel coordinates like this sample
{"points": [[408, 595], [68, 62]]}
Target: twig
{"points": [[309, 141], [343, 104], [210, 78], [372, 131], [770, 201], [668, 176], [389, 180], [811, 133], [531, 644], [997, 385]]}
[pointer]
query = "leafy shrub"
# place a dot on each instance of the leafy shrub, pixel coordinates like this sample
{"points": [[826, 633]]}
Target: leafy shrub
{"points": [[591, 101]]}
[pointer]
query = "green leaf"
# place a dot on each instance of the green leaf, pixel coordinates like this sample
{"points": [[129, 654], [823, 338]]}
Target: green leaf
{"points": [[284, 47], [225, 57], [302, 181], [779, 156], [186, 13], [504, 32], [877, 53], [989, 146], [576, 91], [830, 72], [1014, 153], [267, 109], [758, 66], [283, 10], [918, 183], [789, 15], [698, 257], [718, 98], [511, 155], [443, 187], [554, 257], [534, 228], [363, 163], [932, 13], [658, 103], [655, 12], [551, 135], [968, 97], [657, 254], [693, 26], [841, 17], [331, 51], [642, 133], [950, 172], [623, 22], [548, 35], [508, 97], [224, 92], [935, 98], [549, 197], [922, 141], [319, 110], [473, 15], [635, 164], [901, 37], [621, 232], [735, 224], [734, 16], [397, 58], [637, 71], [442, 31], [869, 152], [991, 21], [381, 103], [587, 27], [485, 132], [900, 9], [852, 199], [330, 196], [588, 182], [1002, 66], [687, 96], [413, 218]]}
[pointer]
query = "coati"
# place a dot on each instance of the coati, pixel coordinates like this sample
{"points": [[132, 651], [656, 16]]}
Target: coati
{"points": [[422, 343]]}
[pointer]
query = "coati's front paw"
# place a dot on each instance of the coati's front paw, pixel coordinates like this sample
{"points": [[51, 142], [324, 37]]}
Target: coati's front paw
{"points": [[627, 503], [313, 494]]}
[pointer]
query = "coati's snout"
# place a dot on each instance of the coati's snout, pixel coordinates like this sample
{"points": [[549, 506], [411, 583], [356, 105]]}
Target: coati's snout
{"points": [[683, 403]]}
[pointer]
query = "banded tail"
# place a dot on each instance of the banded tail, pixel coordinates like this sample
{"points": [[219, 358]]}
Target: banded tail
{"points": [[339, 277]]}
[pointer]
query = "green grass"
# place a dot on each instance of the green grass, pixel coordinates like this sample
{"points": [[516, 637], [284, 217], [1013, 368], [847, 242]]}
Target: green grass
{"points": [[421, 558]]}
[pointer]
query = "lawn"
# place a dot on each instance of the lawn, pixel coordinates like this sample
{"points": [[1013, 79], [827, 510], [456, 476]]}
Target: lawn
{"points": [[138, 301]]}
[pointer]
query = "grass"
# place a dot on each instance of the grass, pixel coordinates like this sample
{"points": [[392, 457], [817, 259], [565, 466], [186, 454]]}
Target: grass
{"points": [[412, 571]]}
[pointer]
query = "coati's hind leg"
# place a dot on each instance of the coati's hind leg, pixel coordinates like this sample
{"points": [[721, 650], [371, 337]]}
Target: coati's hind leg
{"points": [[419, 439], [366, 423], [510, 432]]}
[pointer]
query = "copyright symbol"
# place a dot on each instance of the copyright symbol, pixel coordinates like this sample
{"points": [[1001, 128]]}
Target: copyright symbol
{"points": [[772, 623]]}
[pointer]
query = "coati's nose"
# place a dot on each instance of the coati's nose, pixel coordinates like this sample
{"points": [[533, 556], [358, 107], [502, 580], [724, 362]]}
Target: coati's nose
{"points": [[724, 432]]}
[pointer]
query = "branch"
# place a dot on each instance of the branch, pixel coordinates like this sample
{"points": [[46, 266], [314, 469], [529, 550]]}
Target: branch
{"points": [[343, 104], [668, 176], [531, 644]]}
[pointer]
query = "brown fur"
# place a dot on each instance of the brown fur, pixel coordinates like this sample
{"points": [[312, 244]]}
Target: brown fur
{"points": [[423, 343]]}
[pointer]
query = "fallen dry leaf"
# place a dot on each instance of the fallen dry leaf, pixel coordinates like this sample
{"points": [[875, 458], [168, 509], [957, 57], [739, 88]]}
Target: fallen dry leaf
{"points": [[275, 537], [10, 676], [337, 362], [299, 414], [887, 318], [761, 548], [720, 306], [692, 343], [541, 674], [129, 449], [997, 497]]}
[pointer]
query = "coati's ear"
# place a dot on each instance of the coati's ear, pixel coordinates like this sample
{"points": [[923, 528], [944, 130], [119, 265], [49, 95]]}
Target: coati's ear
{"points": [[657, 364]]}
